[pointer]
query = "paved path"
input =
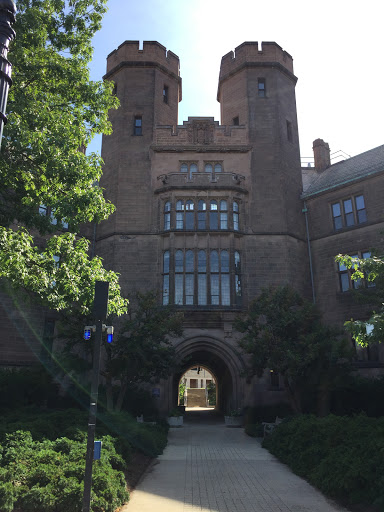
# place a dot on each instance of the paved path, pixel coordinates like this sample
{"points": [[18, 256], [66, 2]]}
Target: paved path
{"points": [[207, 467]]}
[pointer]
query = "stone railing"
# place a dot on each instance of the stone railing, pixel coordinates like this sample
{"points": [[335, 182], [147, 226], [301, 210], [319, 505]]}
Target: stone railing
{"points": [[201, 180]]}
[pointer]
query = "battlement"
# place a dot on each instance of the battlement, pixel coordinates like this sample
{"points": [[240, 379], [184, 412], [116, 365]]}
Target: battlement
{"points": [[249, 52], [152, 51]]}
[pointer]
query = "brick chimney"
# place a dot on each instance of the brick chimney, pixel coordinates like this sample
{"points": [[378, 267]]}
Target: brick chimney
{"points": [[322, 155]]}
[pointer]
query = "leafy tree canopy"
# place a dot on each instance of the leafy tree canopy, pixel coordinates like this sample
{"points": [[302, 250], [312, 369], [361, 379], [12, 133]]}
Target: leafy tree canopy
{"points": [[143, 352], [284, 332], [372, 271], [54, 111]]}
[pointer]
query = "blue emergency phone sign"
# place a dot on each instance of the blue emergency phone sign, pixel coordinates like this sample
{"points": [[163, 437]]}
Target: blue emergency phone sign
{"points": [[97, 450]]}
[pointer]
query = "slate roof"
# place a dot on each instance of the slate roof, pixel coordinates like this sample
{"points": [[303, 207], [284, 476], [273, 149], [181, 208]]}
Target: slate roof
{"points": [[355, 168]]}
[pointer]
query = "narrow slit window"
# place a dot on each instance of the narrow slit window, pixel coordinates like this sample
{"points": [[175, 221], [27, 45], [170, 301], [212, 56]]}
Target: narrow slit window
{"points": [[165, 94], [138, 126], [213, 216], [189, 215], [201, 215], [289, 131], [167, 216], [180, 215], [235, 216], [261, 88], [166, 278]]}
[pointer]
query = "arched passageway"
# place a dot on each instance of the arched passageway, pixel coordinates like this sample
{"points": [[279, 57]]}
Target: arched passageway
{"points": [[221, 360]]}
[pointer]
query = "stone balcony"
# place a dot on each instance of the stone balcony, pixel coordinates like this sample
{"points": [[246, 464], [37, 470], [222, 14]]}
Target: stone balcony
{"points": [[200, 181]]}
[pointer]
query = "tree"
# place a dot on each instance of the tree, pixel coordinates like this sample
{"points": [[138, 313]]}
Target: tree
{"points": [[143, 351], [372, 271], [283, 332], [48, 185]]}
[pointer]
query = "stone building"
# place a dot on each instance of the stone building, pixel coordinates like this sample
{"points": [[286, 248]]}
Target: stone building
{"points": [[208, 214]]}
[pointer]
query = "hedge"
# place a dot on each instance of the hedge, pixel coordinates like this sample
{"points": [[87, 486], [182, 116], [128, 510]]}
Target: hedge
{"points": [[342, 456]]}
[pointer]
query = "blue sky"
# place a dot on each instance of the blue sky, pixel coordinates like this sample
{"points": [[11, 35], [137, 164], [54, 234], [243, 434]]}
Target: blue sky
{"points": [[336, 46]]}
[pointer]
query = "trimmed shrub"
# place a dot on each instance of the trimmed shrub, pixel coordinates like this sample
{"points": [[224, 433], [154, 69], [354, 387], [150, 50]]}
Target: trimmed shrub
{"points": [[342, 456], [254, 429], [47, 476]]}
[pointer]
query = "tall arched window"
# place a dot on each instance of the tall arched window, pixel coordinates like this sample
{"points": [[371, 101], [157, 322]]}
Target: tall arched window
{"points": [[213, 216], [166, 278], [201, 215], [210, 271], [180, 215], [179, 277], [202, 278], [224, 279], [167, 216], [237, 278], [189, 215], [218, 168], [235, 216], [215, 282], [208, 168], [223, 215], [189, 277], [183, 168]]}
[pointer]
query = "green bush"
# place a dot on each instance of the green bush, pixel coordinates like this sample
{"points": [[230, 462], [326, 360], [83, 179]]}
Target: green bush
{"points": [[267, 413], [254, 429], [47, 476], [358, 394], [342, 456], [26, 386]]}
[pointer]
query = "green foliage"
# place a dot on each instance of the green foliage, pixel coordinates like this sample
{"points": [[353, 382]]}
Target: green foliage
{"points": [[254, 429], [342, 456], [42, 459], [143, 351], [283, 332], [372, 270], [182, 387], [47, 475], [267, 413], [54, 112], [212, 393], [22, 387], [356, 394]]}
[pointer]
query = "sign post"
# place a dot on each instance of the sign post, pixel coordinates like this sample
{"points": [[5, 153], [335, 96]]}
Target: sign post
{"points": [[100, 308]]}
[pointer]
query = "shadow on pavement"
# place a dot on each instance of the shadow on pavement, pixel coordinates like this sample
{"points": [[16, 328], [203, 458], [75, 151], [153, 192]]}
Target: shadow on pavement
{"points": [[202, 416]]}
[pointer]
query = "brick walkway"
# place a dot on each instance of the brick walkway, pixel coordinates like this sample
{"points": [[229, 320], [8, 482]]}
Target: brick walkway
{"points": [[211, 468]]}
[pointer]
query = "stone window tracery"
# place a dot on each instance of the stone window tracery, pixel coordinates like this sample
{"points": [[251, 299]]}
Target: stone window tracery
{"points": [[202, 215], [202, 278]]}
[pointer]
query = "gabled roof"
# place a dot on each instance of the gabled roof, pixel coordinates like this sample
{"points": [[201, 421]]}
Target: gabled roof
{"points": [[353, 169]]}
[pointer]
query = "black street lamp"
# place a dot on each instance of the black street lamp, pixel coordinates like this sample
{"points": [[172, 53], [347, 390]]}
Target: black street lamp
{"points": [[7, 34]]}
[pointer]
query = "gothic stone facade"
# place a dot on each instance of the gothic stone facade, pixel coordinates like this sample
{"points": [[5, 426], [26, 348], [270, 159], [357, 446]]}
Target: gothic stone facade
{"points": [[208, 214]]}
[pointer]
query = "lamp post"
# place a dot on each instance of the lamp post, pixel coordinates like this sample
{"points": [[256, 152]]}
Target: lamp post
{"points": [[100, 310], [7, 34]]}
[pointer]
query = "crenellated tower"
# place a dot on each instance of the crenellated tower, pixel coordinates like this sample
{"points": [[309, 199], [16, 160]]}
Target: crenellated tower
{"points": [[148, 85], [257, 90]]}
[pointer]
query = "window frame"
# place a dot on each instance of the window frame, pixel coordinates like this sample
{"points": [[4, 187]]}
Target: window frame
{"points": [[201, 277], [166, 94], [261, 88], [345, 281], [343, 220], [138, 128]]}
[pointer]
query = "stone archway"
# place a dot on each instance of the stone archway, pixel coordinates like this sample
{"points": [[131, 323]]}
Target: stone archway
{"points": [[221, 359]]}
